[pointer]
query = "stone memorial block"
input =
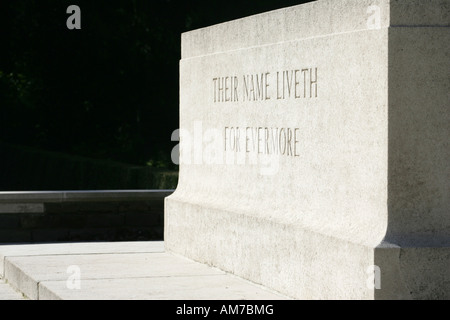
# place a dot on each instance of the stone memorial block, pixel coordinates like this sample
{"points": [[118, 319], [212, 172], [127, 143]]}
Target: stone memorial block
{"points": [[314, 149]]}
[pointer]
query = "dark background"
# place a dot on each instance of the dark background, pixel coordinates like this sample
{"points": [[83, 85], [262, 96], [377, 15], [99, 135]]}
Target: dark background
{"points": [[110, 90]]}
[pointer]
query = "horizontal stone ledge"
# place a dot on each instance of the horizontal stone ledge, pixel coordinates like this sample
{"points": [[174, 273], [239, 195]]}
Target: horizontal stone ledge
{"points": [[21, 207], [81, 196], [312, 20]]}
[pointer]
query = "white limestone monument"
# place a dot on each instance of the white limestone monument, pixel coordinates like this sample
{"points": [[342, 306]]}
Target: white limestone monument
{"points": [[315, 152]]}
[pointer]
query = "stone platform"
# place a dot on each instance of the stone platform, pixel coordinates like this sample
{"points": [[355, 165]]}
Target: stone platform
{"points": [[115, 271]]}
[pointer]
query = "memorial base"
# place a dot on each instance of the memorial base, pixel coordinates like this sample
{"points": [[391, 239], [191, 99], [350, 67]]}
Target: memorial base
{"points": [[301, 263]]}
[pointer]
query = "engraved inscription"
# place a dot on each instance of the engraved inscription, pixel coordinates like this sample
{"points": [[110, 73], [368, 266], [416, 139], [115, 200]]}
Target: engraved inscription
{"points": [[256, 87], [297, 84], [287, 84], [262, 140], [226, 89], [301, 83]]}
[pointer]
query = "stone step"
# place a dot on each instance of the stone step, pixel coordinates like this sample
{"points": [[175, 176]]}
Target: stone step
{"points": [[8, 293], [119, 271]]}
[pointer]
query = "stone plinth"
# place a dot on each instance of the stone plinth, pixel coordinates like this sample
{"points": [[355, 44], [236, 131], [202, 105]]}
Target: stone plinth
{"points": [[315, 150]]}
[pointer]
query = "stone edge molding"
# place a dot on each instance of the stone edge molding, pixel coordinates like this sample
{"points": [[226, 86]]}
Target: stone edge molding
{"points": [[14, 197]]}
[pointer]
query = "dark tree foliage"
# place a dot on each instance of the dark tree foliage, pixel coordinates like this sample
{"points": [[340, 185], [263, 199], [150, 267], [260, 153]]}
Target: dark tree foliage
{"points": [[109, 90]]}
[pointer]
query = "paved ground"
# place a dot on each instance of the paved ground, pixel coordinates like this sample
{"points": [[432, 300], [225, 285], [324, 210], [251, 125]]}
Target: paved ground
{"points": [[116, 270]]}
